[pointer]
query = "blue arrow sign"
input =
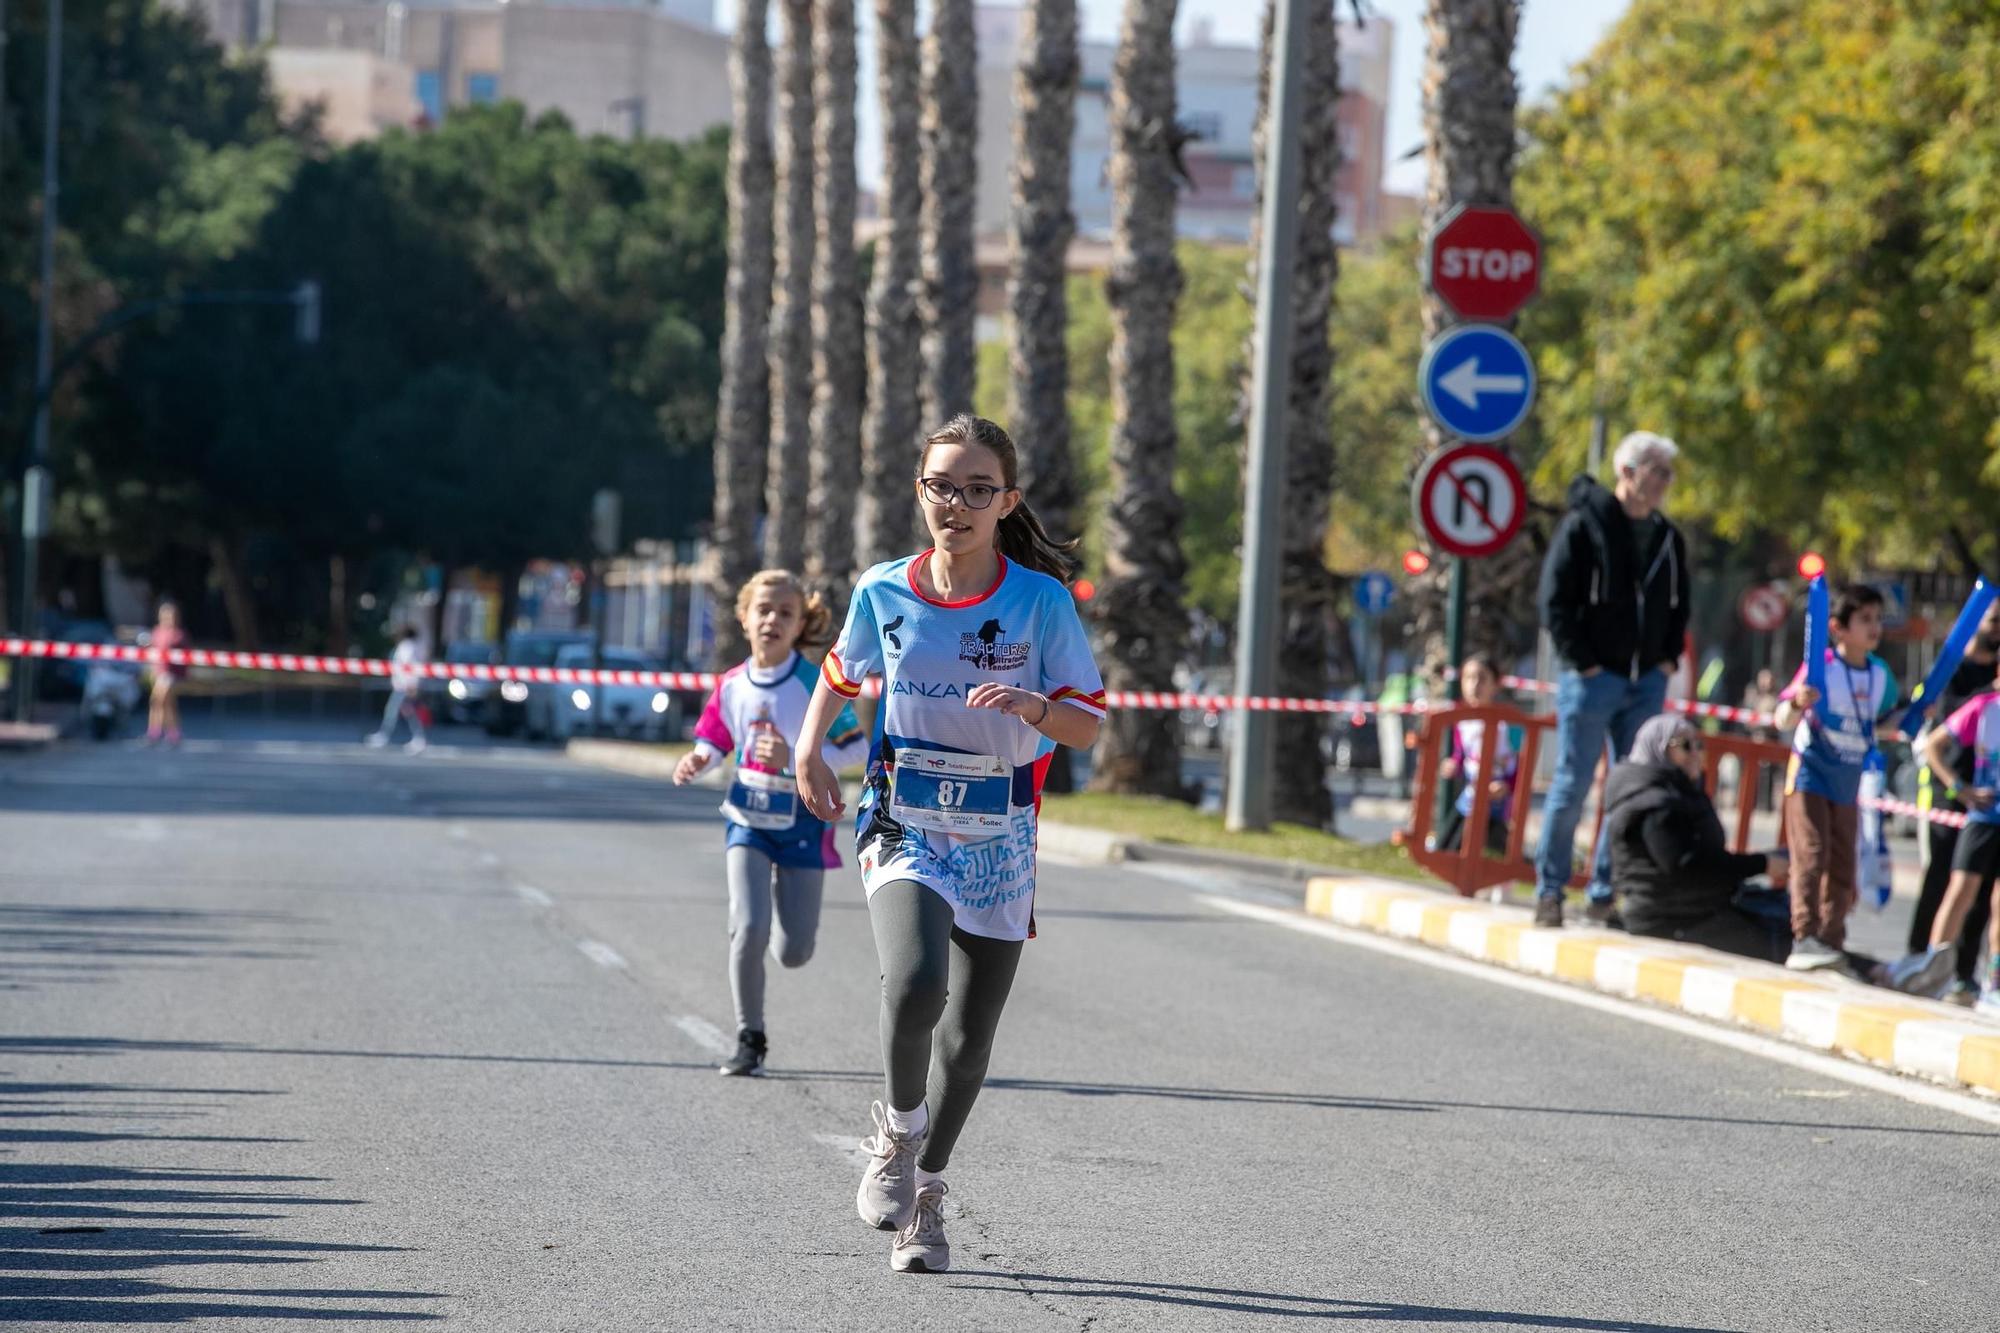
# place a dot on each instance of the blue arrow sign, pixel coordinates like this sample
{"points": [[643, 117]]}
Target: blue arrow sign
{"points": [[1373, 592], [1478, 381]]}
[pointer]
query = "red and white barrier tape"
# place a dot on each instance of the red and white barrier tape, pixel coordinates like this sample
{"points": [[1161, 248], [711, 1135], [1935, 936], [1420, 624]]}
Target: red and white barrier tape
{"points": [[1747, 717], [1890, 806]]}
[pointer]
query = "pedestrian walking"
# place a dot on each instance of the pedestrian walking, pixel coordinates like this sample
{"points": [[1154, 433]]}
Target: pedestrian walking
{"points": [[403, 683], [1975, 728], [986, 669], [1975, 675], [1830, 749], [1614, 597], [163, 716], [776, 852]]}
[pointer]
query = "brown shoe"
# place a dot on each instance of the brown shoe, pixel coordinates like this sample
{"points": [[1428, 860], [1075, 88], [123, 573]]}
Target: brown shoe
{"points": [[1548, 911]]}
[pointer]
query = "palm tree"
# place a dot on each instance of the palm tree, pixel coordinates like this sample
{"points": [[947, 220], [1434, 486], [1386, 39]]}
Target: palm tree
{"points": [[791, 311], [743, 413], [882, 526], [950, 186], [1469, 100], [1037, 300], [1140, 617], [1306, 586], [1037, 296], [836, 310]]}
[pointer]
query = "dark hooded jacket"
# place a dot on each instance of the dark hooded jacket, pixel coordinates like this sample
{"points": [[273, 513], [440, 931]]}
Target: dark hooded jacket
{"points": [[1670, 864], [1600, 606]]}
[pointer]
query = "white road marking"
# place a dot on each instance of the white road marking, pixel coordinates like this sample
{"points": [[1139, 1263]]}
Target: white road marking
{"points": [[705, 1034], [459, 832], [489, 859], [600, 953], [534, 895], [1827, 1066]]}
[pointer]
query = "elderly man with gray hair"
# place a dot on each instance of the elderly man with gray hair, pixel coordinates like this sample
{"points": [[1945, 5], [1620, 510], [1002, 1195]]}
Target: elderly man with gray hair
{"points": [[1614, 597]]}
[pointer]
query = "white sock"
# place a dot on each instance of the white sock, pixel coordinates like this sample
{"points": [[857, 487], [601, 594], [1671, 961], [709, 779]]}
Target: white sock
{"points": [[905, 1123], [925, 1179]]}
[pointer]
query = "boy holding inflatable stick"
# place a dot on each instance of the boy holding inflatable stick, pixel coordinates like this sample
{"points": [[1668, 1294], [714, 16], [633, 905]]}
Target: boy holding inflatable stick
{"points": [[1831, 707]]}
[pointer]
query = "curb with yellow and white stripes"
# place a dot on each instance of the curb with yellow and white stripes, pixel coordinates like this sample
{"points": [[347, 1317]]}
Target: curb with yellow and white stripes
{"points": [[1923, 1038]]}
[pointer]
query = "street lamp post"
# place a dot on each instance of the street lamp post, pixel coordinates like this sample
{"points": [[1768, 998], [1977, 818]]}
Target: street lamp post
{"points": [[1249, 795]]}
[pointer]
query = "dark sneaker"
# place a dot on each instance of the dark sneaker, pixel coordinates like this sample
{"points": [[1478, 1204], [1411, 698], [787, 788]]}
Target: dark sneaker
{"points": [[921, 1247], [1603, 912], [749, 1057], [1926, 973], [1548, 911]]}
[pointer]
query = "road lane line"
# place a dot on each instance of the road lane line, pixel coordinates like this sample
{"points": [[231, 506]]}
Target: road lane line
{"points": [[534, 895], [600, 953], [705, 1034], [1828, 1066]]}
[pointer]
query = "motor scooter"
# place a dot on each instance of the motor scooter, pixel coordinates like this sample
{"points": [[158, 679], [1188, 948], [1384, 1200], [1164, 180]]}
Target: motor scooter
{"points": [[110, 694]]}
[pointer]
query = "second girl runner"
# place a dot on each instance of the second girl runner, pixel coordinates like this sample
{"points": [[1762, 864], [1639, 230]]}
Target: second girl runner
{"points": [[777, 853], [986, 669]]}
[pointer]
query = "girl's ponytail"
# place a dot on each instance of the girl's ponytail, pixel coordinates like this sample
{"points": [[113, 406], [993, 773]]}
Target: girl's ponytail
{"points": [[1025, 541], [815, 623]]}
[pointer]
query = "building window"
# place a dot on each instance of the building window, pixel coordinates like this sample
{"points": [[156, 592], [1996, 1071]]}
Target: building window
{"points": [[482, 89], [430, 95], [1205, 125]]}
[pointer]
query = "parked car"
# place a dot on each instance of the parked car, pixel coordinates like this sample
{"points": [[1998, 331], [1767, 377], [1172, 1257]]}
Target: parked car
{"points": [[61, 679], [644, 712], [508, 706], [1353, 741], [461, 698]]}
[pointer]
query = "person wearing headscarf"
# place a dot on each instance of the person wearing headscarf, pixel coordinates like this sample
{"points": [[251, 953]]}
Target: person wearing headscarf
{"points": [[1670, 863]]}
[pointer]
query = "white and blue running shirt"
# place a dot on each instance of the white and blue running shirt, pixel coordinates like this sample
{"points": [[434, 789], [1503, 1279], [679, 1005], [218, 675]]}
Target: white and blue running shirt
{"points": [[952, 791]]}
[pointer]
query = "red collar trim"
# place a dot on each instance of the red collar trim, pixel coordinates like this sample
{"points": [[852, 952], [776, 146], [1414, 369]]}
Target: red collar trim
{"points": [[915, 564]]}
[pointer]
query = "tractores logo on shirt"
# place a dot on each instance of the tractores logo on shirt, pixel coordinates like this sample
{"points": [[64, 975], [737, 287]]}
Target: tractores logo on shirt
{"points": [[988, 651]]}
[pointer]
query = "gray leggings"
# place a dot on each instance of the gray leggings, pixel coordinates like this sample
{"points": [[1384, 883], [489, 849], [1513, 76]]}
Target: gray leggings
{"points": [[933, 971], [754, 883]]}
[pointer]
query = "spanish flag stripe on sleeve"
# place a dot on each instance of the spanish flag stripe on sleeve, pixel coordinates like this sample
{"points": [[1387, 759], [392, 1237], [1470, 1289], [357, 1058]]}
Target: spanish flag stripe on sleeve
{"points": [[837, 678], [1091, 702]]}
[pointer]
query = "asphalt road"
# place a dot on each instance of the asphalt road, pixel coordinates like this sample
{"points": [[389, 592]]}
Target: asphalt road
{"points": [[296, 1034]]}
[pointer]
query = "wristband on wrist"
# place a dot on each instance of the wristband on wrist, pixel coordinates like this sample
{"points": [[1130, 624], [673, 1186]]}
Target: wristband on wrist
{"points": [[1045, 711]]}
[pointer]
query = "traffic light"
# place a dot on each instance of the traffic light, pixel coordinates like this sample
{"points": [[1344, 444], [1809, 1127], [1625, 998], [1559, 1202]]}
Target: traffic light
{"points": [[1415, 562], [1811, 565]]}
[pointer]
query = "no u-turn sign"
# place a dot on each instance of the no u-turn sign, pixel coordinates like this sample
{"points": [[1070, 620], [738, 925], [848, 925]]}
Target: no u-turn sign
{"points": [[1470, 500]]}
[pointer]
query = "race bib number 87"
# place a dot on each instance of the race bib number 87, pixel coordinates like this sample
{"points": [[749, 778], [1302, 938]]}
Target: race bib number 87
{"points": [[952, 793]]}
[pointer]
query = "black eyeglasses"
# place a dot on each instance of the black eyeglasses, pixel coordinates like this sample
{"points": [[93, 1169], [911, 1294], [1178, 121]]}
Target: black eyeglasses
{"points": [[1692, 744], [976, 495]]}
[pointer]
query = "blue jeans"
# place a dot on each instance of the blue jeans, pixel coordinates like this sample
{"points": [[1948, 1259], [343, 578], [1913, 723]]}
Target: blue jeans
{"points": [[1592, 712]]}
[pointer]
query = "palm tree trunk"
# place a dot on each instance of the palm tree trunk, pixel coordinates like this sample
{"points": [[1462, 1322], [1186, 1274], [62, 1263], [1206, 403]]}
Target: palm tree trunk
{"points": [[791, 312], [950, 186], [1037, 299], [882, 527], [1142, 623], [743, 416], [1306, 586], [836, 311], [1469, 100], [1037, 287]]}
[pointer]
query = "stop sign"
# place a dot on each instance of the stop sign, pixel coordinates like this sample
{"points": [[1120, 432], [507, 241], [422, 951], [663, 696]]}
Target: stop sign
{"points": [[1484, 262]]}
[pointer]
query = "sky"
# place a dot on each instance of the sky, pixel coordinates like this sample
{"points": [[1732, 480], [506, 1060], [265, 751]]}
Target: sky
{"points": [[1554, 35]]}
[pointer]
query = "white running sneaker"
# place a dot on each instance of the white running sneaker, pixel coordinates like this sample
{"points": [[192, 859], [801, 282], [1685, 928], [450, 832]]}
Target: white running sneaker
{"points": [[1809, 955], [889, 1186], [1988, 1005], [417, 745], [376, 740], [921, 1247], [1925, 973]]}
